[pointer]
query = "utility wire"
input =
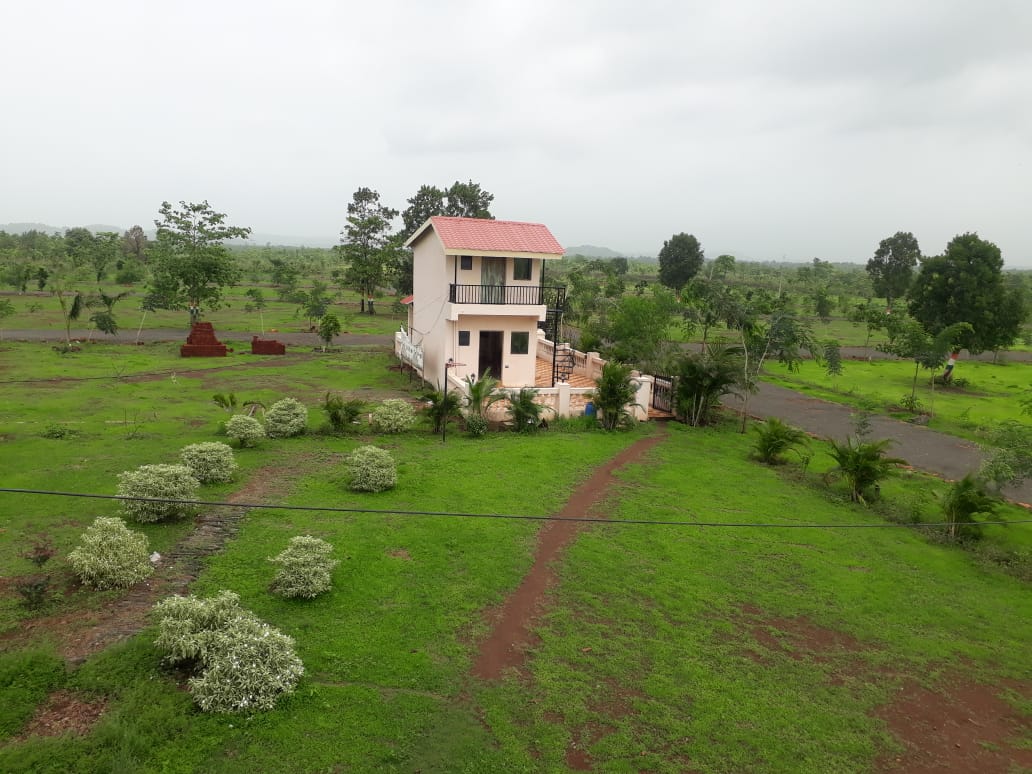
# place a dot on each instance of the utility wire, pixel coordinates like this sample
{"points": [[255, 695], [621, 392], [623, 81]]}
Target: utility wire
{"points": [[465, 515]]}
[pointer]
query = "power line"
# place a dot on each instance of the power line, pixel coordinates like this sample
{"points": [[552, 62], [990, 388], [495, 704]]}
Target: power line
{"points": [[511, 516]]}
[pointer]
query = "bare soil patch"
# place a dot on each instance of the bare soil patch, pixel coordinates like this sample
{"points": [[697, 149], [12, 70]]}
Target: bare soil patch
{"points": [[962, 727], [62, 713], [798, 638], [512, 635]]}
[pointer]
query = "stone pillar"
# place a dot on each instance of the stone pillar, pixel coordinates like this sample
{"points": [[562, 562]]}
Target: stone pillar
{"points": [[563, 399], [644, 396]]}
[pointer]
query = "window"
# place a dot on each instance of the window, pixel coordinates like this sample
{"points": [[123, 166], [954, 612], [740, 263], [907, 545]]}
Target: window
{"points": [[521, 268], [466, 262], [463, 338], [519, 343]]}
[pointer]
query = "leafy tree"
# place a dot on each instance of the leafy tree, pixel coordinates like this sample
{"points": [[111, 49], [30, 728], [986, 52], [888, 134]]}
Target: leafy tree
{"points": [[468, 200], [314, 303], [6, 310], [367, 245], [191, 264], [285, 276], [104, 319], [134, 243], [427, 202], [635, 328], [965, 284], [892, 266], [613, 393], [329, 326], [832, 357], [18, 276], [680, 259], [909, 339], [256, 304], [862, 465], [1008, 454], [104, 252], [870, 315]]}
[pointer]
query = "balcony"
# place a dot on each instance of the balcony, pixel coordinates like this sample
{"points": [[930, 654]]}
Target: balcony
{"points": [[552, 297]]}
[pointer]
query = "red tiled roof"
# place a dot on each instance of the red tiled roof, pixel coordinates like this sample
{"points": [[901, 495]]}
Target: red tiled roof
{"points": [[507, 236], [407, 299]]}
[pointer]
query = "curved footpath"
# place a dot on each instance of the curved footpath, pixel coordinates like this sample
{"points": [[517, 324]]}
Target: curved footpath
{"points": [[938, 453]]}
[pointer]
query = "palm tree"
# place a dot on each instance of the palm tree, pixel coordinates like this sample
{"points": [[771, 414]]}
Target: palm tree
{"points": [[524, 412], [774, 439], [481, 394], [703, 378], [965, 500], [614, 392], [863, 465], [441, 406]]}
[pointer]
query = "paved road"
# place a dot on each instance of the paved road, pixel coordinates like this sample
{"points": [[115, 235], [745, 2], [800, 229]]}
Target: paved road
{"points": [[926, 449]]}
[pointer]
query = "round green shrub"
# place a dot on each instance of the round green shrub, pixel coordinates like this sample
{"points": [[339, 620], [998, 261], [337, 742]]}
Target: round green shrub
{"points": [[371, 469], [245, 430], [171, 482], [476, 425], [272, 667], [305, 567], [210, 463], [393, 416], [241, 663], [110, 555], [286, 418]]}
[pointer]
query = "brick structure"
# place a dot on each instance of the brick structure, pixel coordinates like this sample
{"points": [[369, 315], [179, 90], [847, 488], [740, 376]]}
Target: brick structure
{"points": [[202, 342], [267, 347]]}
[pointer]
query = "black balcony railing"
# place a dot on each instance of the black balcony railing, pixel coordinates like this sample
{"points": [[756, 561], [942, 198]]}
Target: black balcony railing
{"points": [[526, 295]]}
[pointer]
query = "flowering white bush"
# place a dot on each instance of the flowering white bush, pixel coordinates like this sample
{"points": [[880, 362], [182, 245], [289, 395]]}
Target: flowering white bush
{"points": [[210, 463], [110, 555], [248, 665], [393, 416], [305, 567], [242, 663], [185, 624], [286, 418], [245, 430], [170, 482], [370, 469]]}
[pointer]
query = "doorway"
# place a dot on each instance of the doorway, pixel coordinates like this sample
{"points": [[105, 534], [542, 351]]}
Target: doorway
{"points": [[490, 354], [492, 280]]}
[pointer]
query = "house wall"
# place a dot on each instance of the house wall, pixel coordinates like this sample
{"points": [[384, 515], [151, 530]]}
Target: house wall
{"points": [[431, 274], [517, 370]]}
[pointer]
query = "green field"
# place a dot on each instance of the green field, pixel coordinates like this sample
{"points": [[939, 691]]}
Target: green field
{"points": [[662, 648]]}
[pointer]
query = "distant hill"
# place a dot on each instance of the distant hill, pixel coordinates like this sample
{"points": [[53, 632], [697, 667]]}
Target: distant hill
{"points": [[21, 228], [592, 251]]}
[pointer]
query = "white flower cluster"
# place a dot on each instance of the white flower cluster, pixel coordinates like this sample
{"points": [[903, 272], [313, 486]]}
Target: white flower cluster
{"points": [[286, 418], [371, 469], [242, 663], [305, 568], [210, 462], [245, 430], [110, 555], [393, 416], [162, 482]]}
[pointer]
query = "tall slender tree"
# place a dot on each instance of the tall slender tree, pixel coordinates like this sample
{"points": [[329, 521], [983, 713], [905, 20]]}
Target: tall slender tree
{"points": [[892, 267], [367, 245]]}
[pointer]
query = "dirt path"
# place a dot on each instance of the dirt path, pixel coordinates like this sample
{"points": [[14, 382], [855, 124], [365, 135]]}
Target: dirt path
{"points": [[513, 631], [935, 452], [81, 634]]}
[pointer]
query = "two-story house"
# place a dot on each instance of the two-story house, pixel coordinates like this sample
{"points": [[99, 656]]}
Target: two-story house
{"points": [[479, 294]]}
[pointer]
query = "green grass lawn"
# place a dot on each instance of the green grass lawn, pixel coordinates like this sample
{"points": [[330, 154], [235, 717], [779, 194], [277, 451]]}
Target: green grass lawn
{"points": [[663, 648], [990, 396], [42, 311]]}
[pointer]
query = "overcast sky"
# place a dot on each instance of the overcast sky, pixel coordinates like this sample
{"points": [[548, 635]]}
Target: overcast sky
{"points": [[768, 129]]}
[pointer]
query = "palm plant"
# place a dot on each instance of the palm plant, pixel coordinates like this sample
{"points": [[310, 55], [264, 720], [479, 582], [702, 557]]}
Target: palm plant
{"points": [[481, 394], [524, 412], [341, 412], [862, 464], [442, 406], [965, 500], [614, 392], [774, 439], [703, 378]]}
